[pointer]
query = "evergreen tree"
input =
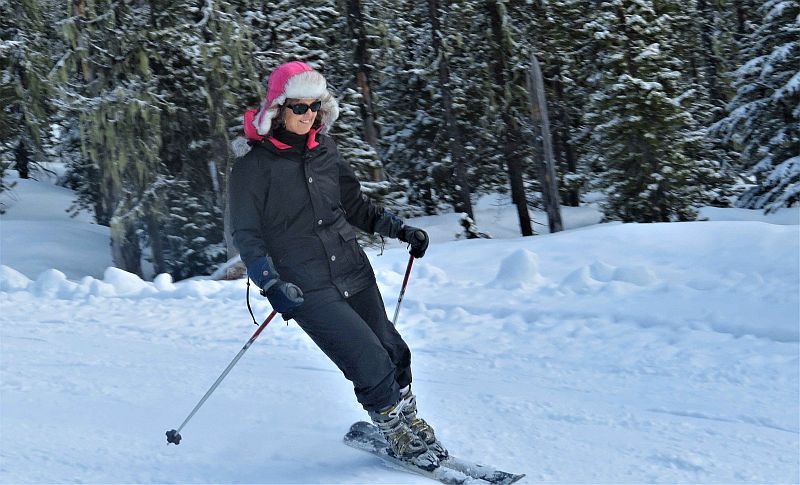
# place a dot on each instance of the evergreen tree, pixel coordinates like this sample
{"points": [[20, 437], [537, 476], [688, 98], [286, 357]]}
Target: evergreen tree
{"points": [[26, 44], [421, 109], [641, 133], [702, 41], [202, 59], [113, 94], [406, 98], [192, 246], [764, 116], [559, 41], [511, 101]]}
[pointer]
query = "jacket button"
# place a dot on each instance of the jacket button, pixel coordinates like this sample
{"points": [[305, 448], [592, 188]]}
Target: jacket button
{"points": [[319, 222], [310, 179], [333, 258], [346, 294]]}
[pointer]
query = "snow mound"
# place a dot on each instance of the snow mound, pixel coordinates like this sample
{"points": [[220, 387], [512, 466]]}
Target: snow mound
{"points": [[580, 281], [599, 275], [53, 282], [163, 282], [601, 271], [519, 270], [635, 275], [125, 283], [12, 280]]}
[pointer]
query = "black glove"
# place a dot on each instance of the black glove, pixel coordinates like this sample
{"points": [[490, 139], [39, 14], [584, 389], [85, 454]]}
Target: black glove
{"points": [[416, 238], [284, 296]]}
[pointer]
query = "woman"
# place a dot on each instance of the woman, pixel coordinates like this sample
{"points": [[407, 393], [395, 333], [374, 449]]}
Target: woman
{"points": [[294, 203]]}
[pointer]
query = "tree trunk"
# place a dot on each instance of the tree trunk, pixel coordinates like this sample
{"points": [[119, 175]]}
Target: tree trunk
{"points": [[125, 251], [512, 134], [355, 20], [571, 157], [22, 160], [156, 243], [711, 63], [547, 171], [220, 154], [455, 140]]}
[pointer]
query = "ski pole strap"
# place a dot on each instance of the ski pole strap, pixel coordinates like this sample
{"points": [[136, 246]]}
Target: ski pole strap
{"points": [[249, 308]]}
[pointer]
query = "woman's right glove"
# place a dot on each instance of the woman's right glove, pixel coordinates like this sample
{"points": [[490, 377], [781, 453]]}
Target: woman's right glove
{"points": [[282, 295], [416, 238]]}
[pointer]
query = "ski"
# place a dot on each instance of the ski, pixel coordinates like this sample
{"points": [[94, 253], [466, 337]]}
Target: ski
{"points": [[452, 470]]}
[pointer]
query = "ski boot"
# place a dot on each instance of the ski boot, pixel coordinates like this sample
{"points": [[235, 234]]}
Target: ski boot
{"points": [[403, 442], [418, 425]]}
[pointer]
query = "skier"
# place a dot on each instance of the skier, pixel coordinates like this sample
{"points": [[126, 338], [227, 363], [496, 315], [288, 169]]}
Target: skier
{"points": [[294, 202]]}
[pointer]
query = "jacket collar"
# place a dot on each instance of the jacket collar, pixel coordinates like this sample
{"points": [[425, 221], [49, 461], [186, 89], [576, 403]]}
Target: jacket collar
{"points": [[311, 141]]}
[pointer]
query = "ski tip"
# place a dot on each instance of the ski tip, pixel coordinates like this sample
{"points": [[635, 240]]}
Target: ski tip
{"points": [[511, 478], [361, 425]]}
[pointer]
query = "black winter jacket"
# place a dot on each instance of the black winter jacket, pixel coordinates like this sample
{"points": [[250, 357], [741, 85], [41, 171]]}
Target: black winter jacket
{"points": [[298, 205]]}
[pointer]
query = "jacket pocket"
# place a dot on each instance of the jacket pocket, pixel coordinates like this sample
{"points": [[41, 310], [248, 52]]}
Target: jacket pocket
{"points": [[352, 249]]}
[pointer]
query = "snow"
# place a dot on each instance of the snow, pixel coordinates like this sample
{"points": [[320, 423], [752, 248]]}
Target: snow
{"points": [[37, 233], [608, 353]]}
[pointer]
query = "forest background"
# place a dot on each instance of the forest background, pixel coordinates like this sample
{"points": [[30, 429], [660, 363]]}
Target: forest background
{"points": [[656, 107]]}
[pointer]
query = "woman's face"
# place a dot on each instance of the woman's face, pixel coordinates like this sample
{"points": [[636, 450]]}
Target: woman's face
{"points": [[299, 124]]}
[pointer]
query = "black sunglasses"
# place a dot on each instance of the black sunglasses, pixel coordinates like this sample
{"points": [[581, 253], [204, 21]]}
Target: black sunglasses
{"points": [[301, 108]]}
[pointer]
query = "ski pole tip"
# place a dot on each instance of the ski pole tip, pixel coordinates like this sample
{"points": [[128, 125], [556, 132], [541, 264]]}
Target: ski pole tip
{"points": [[173, 437]]}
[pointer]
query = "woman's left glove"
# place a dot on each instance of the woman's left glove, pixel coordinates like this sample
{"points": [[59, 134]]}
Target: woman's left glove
{"points": [[282, 295], [416, 238]]}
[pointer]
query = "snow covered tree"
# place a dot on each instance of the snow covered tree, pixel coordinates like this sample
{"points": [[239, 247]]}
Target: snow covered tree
{"points": [[191, 222], [418, 122], [405, 97], [26, 46], [564, 50], [202, 58], [113, 93], [764, 116], [511, 100], [347, 70], [641, 134]]}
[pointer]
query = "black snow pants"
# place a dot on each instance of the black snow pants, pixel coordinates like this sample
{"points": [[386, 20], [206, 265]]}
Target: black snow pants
{"points": [[359, 338]]}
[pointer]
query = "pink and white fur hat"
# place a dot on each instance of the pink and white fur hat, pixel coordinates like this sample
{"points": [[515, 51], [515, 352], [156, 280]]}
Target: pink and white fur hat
{"points": [[295, 80]]}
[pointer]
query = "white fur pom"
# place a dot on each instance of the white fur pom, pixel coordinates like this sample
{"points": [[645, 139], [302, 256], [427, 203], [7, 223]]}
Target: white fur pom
{"points": [[240, 147]]}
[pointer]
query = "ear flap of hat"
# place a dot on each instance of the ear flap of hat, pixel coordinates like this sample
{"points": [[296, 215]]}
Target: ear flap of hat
{"points": [[329, 110], [250, 130]]}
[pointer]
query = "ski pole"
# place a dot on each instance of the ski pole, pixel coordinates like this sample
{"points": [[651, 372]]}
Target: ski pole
{"points": [[174, 435], [403, 289]]}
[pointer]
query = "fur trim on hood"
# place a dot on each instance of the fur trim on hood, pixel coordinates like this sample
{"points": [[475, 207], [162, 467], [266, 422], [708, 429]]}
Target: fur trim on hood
{"points": [[240, 146], [295, 80]]}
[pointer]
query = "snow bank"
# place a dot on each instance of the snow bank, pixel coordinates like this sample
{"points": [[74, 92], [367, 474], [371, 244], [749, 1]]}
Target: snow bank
{"points": [[116, 283], [732, 277]]}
